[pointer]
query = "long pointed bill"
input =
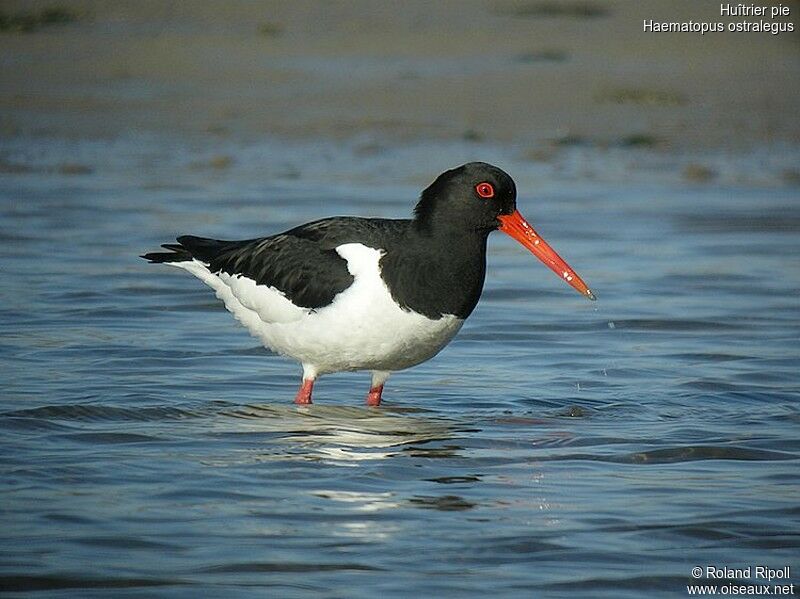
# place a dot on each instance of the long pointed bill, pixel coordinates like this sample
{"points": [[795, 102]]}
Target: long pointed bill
{"points": [[514, 225]]}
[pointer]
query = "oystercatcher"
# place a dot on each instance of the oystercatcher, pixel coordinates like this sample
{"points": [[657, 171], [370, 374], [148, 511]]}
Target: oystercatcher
{"points": [[349, 293]]}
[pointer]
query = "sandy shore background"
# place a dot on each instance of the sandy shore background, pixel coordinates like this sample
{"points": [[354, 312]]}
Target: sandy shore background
{"points": [[526, 72]]}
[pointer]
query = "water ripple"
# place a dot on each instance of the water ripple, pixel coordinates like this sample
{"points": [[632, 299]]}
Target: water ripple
{"points": [[557, 447]]}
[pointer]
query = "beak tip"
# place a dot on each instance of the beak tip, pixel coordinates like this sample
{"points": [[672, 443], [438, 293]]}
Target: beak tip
{"points": [[516, 227]]}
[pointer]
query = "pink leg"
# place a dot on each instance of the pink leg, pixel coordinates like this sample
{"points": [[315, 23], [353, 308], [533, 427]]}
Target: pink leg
{"points": [[303, 396], [376, 388], [374, 395]]}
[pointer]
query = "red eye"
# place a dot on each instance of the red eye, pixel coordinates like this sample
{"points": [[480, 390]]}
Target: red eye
{"points": [[485, 190]]}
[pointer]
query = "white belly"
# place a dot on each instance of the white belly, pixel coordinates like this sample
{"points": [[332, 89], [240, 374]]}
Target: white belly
{"points": [[363, 329]]}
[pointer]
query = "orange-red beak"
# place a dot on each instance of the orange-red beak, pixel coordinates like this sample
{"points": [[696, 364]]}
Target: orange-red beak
{"points": [[517, 227]]}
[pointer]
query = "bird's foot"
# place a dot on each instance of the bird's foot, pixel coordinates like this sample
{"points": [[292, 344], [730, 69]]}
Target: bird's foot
{"points": [[303, 397], [374, 396]]}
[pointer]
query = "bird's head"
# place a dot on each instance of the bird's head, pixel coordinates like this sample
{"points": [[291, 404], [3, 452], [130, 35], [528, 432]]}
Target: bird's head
{"points": [[481, 197]]}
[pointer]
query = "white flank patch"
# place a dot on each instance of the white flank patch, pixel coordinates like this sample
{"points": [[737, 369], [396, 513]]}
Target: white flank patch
{"points": [[251, 304], [363, 329], [270, 304]]}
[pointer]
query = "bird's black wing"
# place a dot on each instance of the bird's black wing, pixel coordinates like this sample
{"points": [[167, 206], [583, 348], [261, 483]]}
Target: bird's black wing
{"points": [[302, 263]]}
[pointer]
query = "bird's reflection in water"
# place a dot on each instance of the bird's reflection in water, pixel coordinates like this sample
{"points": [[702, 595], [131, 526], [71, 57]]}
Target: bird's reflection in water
{"points": [[338, 434]]}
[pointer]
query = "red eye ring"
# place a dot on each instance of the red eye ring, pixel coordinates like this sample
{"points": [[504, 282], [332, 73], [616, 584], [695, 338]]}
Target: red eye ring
{"points": [[485, 190]]}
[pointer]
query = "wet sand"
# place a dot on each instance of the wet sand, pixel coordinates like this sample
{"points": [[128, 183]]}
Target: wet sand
{"points": [[558, 73]]}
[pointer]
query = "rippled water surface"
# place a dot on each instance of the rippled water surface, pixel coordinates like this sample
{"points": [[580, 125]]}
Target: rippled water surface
{"points": [[556, 448]]}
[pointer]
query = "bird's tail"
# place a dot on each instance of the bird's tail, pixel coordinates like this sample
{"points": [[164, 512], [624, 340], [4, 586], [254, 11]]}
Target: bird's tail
{"points": [[189, 247], [177, 253]]}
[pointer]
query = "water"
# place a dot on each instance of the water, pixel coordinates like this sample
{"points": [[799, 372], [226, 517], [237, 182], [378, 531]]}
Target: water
{"points": [[556, 448]]}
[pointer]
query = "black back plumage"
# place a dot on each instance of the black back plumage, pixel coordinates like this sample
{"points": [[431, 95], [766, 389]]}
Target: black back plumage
{"points": [[302, 263]]}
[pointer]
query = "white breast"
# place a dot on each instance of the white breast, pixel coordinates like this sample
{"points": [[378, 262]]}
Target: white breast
{"points": [[362, 329]]}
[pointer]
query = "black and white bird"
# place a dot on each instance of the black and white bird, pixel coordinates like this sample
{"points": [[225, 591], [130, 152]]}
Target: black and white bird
{"points": [[348, 293]]}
